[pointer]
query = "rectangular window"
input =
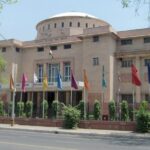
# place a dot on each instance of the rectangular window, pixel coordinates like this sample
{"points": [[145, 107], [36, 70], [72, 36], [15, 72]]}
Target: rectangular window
{"points": [[55, 25], [146, 62], [3, 49], [95, 38], [126, 63], [127, 97], [62, 24], [126, 42], [49, 26], [147, 98], [67, 46], [67, 72], [40, 49], [53, 48], [17, 49], [40, 72], [147, 40], [52, 72], [95, 61], [86, 25]]}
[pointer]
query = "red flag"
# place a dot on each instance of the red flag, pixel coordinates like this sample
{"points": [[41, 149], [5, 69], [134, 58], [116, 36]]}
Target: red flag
{"points": [[24, 80], [135, 79]]}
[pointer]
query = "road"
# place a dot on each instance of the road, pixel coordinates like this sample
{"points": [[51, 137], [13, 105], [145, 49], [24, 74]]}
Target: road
{"points": [[21, 140]]}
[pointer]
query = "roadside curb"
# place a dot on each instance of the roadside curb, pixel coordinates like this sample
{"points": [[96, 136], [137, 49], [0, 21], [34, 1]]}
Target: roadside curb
{"points": [[100, 133]]}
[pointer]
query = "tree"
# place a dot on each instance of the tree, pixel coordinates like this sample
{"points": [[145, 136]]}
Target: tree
{"points": [[137, 5], [2, 69], [6, 2]]}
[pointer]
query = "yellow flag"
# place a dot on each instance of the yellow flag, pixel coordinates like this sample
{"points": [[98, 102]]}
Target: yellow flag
{"points": [[11, 83], [86, 82], [45, 83]]}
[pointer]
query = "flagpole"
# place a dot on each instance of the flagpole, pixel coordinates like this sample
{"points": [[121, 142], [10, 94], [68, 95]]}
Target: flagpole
{"points": [[84, 104], [133, 103], [32, 100], [57, 105], [43, 103], [71, 97]]}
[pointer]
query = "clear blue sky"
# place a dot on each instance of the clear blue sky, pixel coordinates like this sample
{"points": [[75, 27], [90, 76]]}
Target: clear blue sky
{"points": [[18, 21]]}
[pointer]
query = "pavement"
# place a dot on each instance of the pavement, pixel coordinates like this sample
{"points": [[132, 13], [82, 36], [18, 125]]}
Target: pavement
{"points": [[78, 131]]}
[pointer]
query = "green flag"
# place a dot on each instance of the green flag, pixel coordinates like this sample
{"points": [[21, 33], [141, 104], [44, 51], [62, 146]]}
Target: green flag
{"points": [[103, 78]]}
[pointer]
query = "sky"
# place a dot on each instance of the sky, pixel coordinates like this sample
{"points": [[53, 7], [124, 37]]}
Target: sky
{"points": [[18, 21]]}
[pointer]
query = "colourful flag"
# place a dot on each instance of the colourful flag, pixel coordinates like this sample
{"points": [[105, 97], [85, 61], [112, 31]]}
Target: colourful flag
{"points": [[35, 78], [135, 79], [45, 83], [51, 53], [103, 78], [86, 82], [24, 80], [73, 81], [11, 83], [59, 81], [148, 71]]}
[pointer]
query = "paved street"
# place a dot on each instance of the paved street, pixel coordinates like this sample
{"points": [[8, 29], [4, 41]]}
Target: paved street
{"points": [[21, 140]]}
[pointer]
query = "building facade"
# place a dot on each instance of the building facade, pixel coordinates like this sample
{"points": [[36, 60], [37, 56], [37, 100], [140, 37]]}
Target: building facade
{"points": [[79, 41]]}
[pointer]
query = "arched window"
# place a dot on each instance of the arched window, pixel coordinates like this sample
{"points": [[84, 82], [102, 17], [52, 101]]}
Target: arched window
{"points": [[78, 24], [62, 24], [70, 24]]}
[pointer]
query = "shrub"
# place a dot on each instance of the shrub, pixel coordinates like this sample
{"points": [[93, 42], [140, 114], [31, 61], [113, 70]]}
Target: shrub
{"points": [[71, 117], [20, 109], [1, 108], [44, 105], [29, 108], [80, 107], [112, 110], [97, 110], [55, 108], [10, 108], [143, 121], [124, 111], [144, 105]]}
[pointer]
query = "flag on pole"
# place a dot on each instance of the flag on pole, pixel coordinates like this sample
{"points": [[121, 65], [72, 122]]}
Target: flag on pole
{"points": [[45, 83], [51, 53], [59, 81], [135, 79], [73, 81], [35, 78], [24, 80], [103, 78], [11, 83], [86, 82], [148, 71]]}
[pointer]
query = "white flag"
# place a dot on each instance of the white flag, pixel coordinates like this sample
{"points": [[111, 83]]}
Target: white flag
{"points": [[51, 53], [35, 79]]}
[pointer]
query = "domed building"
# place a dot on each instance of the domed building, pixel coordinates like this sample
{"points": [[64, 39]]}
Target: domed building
{"points": [[79, 42]]}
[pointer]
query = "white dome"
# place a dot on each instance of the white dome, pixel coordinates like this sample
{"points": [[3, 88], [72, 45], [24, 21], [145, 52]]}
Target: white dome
{"points": [[73, 14]]}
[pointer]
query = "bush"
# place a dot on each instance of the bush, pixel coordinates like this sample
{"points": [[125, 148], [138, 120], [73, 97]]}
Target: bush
{"points": [[143, 121], [1, 108], [29, 108], [144, 105], [143, 117], [45, 105], [97, 110], [71, 117], [124, 111], [20, 109], [80, 107], [112, 110], [55, 108], [10, 108]]}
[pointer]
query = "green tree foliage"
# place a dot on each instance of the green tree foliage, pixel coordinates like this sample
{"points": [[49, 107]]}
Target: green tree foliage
{"points": [[124, 111], [6, 2], [137, 4], [29, 108], [55, 108], [45, 103], [143, 117], [1, 108], [112, 110], [80, 107], [71, 117], [97, 110], [20, 109]]}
